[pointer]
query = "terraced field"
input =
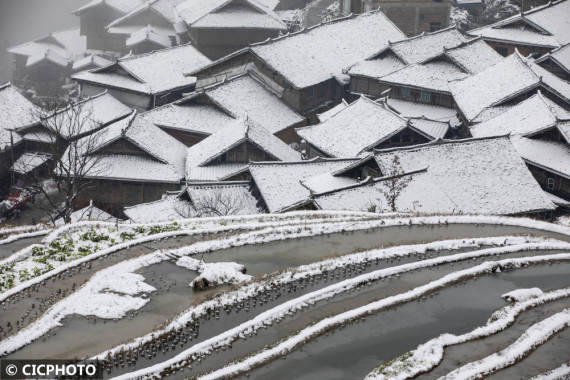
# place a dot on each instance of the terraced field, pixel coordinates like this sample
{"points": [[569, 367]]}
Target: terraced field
{"points": [[301, 295]]}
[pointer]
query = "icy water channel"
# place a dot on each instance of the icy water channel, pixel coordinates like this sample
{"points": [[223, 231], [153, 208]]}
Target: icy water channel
{"points": [[353, 351]]}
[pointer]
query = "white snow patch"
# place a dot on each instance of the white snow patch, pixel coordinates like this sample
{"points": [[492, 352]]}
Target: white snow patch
{"points": [[213, 274], [520, 295]]}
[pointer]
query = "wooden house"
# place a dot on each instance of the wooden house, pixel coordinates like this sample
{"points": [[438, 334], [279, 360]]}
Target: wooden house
{"points": [[43, 65], [17, 112], [147, 80], [135, 162], [365, 125], [308, 65], [152, 25], [411, 16], [225, 155], [448, 177], [221, 27], [540, 131], [557, 62], [46, 138], [535, 31], [94, 18], [419, 69], [512, 80], [246, 95]]}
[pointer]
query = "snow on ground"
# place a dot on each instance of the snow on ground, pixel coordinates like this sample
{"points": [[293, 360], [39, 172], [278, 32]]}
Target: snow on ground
{"points": [[214, 274], [536, 335], [281, 311], [520, 295], [559, 373], [564, 220], [428, 355], [327, 324]]}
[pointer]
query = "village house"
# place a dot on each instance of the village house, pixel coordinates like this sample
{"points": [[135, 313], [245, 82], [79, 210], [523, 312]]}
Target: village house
{"points": [[419, 69], [221, 27], [17, 112], [535, 31], [201, 199], [225, 155], [45, 139], [474, 176], [43, 65], [139, 81], [540, 131], [411, 16], [134, 162], [94, 18], [287, 186], [557, 62], [204, 112], [409, 110], [515, 78], [149, 26], [308, 65], [365, 125]]}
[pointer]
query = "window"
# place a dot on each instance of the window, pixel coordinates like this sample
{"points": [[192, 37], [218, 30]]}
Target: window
{"points": [[433, 26], [406, 138], [395, 139], [425, 97], [550, 184], [405, 92]]}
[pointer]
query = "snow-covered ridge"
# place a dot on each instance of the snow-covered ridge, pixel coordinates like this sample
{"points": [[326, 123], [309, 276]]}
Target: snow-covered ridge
{"points": [[533, 337], [428, 355]]}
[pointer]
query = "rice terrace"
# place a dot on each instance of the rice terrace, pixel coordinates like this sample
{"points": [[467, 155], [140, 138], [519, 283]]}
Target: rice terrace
{"points": [[338, 295]]}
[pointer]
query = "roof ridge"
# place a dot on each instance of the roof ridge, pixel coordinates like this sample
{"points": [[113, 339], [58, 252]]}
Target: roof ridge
{"points": [[315, 160], [439, 142], [5, 85], [137, 56]]}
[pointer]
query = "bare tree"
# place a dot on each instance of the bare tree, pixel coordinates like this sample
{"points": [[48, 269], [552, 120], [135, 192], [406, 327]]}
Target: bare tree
{"points": [[218, 203], [73, 136], [394, 185]]}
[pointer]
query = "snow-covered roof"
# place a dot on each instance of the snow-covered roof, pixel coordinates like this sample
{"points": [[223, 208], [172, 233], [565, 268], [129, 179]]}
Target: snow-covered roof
{"points": [[230, 14], [222, 198], [478, 176], [361, 126], [546, 25], [17, 112], [534, 115], [152, 73], [552, 156], [164, 159], [320, 53], [474, 56], [120, 5], [164, 8], [433, 76], [190, 116], [280, 183], [93, 112], [168, 208], [421, 195], [427, 45], [148, 34], [90, 61], [247, 96], [89, 213], [377, 67], [201, 155], [333, 111], [430, 111], [559, 56], [501, 82], [29, 161], [61, 47]]}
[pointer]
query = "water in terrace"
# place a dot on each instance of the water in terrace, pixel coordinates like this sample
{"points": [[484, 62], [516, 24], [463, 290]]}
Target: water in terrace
{"points": [[174, 294], [351, 352], [11, 248]]}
